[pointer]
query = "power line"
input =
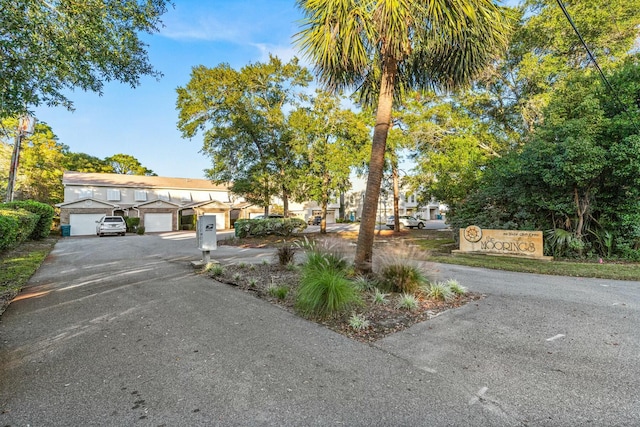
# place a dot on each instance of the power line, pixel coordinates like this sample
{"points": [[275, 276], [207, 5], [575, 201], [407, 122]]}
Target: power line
{"points": [[593, 59]]}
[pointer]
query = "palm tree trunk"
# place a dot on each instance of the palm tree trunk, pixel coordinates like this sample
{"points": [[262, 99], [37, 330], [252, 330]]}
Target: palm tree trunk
{"points": [[364, 248], [396, 194]]}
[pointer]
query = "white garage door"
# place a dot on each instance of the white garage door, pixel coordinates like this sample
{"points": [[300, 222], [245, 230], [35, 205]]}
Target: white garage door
{"points": [[84, 224], [156, 222]]}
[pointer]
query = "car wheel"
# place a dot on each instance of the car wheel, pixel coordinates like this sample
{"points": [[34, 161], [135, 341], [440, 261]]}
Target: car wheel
{"points": [[420, 226], [390, 227]]}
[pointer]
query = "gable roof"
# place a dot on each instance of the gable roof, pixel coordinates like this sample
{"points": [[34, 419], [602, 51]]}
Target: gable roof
{"points": [[87, 201], [138, 181]]}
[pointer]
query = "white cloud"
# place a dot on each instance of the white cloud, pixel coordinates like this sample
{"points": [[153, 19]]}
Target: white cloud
{"points": [[284, 52], [204, 29]]}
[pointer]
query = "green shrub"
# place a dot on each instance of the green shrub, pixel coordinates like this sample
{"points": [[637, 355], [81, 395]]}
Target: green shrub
{"points": [[264, 227], [18, 225], [8, 231], [140, 230], [132, 223], [45, 216]]}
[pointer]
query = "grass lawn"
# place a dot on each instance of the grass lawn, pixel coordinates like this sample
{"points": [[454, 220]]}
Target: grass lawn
{"points": [[437, 247], [19, 264]]}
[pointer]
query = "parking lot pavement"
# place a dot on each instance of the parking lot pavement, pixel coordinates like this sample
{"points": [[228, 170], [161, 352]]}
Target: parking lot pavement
{"points": [[123, 331]]}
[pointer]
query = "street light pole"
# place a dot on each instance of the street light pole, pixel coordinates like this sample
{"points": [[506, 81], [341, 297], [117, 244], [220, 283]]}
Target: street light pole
{"points": [[25, 126]]}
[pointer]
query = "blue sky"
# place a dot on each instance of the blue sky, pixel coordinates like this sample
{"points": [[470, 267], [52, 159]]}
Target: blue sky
{"points": [[142, 121]]}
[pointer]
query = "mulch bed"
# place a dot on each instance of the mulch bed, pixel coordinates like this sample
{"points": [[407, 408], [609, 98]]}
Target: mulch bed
{"points": [[384, 320]]}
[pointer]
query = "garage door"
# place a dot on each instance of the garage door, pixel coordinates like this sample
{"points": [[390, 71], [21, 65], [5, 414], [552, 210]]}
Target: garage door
{"points": [[156, 222], [84, 224]]}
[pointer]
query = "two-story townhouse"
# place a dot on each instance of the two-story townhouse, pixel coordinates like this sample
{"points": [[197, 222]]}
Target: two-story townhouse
{"points": [[159, 202]]}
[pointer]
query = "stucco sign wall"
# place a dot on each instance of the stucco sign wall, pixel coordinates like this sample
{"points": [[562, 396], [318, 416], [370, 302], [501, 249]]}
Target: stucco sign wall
{"points": [[504, 242]]}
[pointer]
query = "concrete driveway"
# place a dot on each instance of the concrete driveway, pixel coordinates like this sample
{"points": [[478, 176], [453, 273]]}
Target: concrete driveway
{"points": [[122, 331]]}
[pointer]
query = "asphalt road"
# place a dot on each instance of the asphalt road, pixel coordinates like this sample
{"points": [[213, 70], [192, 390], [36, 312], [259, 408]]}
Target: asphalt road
{"points": [[121, 331]]}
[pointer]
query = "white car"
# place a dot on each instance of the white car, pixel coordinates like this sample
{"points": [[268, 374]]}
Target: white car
{"points": [[405, 221], [111, 225]]}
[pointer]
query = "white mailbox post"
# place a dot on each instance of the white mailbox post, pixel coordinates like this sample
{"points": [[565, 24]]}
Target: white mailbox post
{"points": [[207, 239]]}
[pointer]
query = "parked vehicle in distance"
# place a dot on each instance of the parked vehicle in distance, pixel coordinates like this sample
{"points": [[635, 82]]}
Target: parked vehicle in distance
{"points": [[405, 221], [270, 216], [315, 220], [111, 225]]}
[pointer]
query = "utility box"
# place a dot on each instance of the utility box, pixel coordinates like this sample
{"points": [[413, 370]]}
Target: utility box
{"points": [[207, 238]]}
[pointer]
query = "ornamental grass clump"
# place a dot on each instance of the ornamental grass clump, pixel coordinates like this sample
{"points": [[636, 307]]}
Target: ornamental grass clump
{"points": [[402, 278], [286, 254], [324, 286], [399, 272]]}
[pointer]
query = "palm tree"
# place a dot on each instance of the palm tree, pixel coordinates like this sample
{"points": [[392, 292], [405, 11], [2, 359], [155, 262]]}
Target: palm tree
{"points": [[384, 48]]}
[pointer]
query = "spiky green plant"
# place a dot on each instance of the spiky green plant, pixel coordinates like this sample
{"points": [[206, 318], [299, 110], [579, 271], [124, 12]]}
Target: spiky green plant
{"points": [[325, 290], [456, 287], [252, 282], [407, 301], [364, 283], [379, 297], [358, 322], [291, 267], [214, 269], [279, 292], [439, 291], [242, 265], [236, 277]]}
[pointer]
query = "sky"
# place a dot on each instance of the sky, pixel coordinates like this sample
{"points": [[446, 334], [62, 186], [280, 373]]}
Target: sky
{"points": [[142, 121]]}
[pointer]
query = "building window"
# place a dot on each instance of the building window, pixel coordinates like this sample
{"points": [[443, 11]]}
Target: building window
{"points": [[140, 195], [113, 195], [85, 193]]}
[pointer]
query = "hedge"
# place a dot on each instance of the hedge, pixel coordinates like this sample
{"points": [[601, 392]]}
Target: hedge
{"points": [[45, 216], [16, 225], [263, 227]]}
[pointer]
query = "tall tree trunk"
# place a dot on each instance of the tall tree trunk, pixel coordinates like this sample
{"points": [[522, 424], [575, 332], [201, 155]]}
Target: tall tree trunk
{"points": [[582, 207], [341, 211], [364, 248], [396, 191], [324, 203]]}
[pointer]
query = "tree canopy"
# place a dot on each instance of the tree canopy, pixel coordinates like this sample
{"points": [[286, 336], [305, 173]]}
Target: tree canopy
{"points": [[48, 47], [43, 160], [329, 141], [243, 115], [384, 48]]}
